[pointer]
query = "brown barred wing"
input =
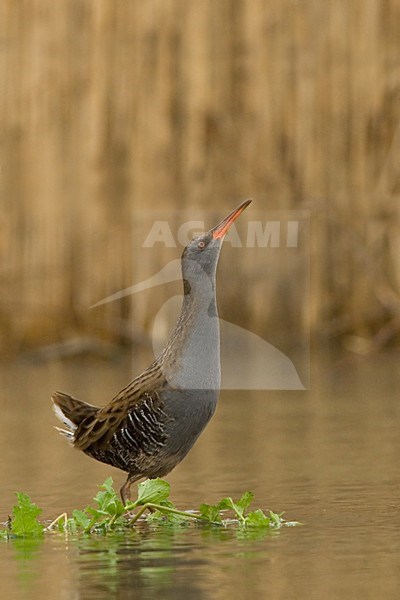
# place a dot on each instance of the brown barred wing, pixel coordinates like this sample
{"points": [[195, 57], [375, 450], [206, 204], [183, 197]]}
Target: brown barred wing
{"points": [[139, 438], [99, 428]]}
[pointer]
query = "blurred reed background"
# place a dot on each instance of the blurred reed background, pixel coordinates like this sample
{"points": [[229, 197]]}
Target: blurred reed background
{"points": [[113, 107]]}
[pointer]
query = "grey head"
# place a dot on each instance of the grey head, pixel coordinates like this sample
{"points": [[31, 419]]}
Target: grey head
{"points": [[200, 257]]}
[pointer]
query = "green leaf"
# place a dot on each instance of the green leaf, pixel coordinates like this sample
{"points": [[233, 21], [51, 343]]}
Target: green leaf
{"points": [[110, 514], [70, 526], [244, 502], [108, 486], [152, 490], [229, 504], [81, 519], [108, 500], [93, 513], [211, 512], [276, 519], [103, 518], [225, 504], [25, 513], [257, 518], [165, 516]]}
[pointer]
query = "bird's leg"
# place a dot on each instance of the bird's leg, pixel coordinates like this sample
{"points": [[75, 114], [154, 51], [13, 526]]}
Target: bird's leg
{"points": [[125, 491]]}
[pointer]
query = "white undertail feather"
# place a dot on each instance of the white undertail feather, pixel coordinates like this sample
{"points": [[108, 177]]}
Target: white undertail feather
{"points": [[68, 434], [67, 422]]}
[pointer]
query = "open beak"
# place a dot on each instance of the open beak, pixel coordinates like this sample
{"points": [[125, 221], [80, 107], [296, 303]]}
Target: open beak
{"points": [[220, 230]]}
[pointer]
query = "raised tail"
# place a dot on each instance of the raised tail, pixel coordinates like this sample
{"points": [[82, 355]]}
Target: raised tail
{"points": [[71, 412]]}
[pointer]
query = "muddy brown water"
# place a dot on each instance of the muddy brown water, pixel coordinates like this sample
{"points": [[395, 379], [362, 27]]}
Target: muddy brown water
{"points": [[328, 457]]}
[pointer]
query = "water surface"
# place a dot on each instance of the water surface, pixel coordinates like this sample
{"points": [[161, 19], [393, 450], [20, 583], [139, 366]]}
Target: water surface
{"points": [[329, 457]]}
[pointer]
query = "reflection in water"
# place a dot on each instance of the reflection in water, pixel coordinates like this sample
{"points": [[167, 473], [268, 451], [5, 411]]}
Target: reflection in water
{"points": [[147, 562], [26, 553], [328, 457], [159, 562]]}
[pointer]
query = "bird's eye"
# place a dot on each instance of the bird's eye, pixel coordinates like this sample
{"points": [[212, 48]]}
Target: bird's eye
{"points": [[201, 245]]}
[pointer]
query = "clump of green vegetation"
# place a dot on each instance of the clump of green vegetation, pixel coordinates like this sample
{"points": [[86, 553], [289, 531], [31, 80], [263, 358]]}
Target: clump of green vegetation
{"points": [[152, 505], [24, 521]]}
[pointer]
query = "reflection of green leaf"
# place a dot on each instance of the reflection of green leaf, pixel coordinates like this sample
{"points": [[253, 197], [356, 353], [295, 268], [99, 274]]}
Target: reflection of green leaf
{"points": [[25, 513], [26, 552]]}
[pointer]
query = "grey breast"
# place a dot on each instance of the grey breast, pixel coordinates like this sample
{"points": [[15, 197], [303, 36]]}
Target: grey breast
{"points": [[189, 411]]}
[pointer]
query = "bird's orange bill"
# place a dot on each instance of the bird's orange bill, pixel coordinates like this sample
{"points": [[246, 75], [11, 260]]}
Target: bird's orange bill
{"points": [[220, 230]]}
